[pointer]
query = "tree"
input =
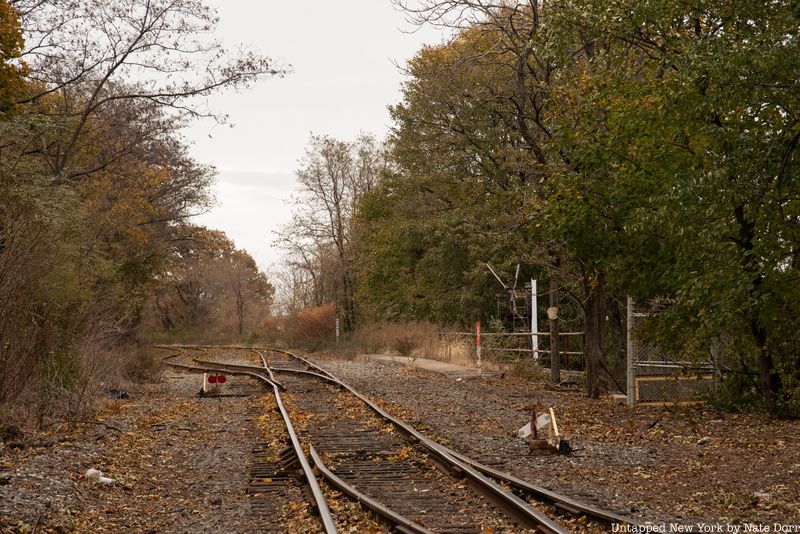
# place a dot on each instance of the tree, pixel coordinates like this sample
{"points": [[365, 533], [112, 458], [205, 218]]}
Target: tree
{"points": [[452, 200], [95, 55], [710, 137], [11, 43], [210, 289], [333, 176], [656, 146], [495, 91], [94, 178]]}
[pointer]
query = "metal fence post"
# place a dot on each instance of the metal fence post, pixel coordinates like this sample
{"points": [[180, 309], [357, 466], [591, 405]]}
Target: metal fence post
{"points": [[630, 357], [555, 359], [534, 321], [478, 346]]}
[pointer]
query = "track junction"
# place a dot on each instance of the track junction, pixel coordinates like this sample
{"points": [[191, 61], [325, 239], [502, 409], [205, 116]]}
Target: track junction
{"points": [[338, 439]]}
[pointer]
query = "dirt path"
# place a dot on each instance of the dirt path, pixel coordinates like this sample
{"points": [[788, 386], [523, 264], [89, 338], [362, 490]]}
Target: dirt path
{"points": [[180, 464]]}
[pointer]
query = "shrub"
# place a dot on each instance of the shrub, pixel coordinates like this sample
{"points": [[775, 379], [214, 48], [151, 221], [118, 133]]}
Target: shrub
{"points": [[311, 328]]}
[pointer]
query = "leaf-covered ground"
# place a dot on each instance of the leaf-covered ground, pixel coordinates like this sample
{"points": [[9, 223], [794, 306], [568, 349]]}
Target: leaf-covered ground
{"points": [[659, 464], [179, 464]]}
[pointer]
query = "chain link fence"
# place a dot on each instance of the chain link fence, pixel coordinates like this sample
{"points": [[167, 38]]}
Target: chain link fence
{"points": [[655, 375]]}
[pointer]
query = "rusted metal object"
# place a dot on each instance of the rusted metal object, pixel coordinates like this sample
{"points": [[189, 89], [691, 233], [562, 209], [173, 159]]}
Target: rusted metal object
{"points": [[395, 519]]}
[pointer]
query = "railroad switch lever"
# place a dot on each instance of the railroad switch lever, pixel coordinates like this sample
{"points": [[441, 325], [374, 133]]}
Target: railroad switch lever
{"points": [[544, 420]]}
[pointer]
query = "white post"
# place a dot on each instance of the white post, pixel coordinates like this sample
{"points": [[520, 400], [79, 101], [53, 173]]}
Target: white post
{"points": [[337, 331], [630, 389], [534, 321]]}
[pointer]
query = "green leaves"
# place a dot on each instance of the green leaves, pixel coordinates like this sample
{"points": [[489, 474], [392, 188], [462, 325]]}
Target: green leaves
{"points": [[650, 144]]}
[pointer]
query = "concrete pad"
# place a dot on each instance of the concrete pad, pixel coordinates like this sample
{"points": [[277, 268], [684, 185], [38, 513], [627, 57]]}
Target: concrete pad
{"points": [[448, 369]]}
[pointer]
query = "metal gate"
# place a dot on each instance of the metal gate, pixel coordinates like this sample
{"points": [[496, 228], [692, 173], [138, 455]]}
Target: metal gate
{"points": [[656, 376]]}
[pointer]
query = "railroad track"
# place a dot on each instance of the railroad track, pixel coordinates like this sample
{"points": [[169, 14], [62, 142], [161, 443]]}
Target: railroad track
{"points": [[410, 482]]}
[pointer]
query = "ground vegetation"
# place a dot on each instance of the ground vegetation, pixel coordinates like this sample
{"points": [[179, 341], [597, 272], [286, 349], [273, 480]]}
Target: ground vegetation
{"points": [[95, 180]]}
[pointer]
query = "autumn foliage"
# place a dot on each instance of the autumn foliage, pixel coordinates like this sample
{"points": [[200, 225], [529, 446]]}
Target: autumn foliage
{"points": [[96, 185], [311, 327]]}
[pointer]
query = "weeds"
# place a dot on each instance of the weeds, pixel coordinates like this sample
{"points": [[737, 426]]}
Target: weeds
{"points": [[72, 383]]}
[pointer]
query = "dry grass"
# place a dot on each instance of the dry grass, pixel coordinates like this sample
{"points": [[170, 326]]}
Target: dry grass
{"points": [[311, 328], [416, 340], [428, 340]]}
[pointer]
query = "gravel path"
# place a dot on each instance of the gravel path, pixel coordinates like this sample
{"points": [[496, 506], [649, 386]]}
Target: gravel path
{"points": [[660, 464]]}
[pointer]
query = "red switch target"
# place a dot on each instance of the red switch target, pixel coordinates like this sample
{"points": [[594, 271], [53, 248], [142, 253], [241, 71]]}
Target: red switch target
{"points": [[212, 379], [221, 379]]}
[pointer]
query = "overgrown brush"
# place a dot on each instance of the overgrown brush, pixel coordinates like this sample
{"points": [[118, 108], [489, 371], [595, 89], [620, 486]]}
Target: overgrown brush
{"points": [[70, 385], [419, 340], [311, 328]]}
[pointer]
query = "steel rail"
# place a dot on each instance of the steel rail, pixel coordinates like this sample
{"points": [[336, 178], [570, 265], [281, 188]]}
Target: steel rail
{"points": [[264, 364], [322, 506], [399, 522], [560, 501], [217, 366], [556, 499], [396, 520], [522, 511]]}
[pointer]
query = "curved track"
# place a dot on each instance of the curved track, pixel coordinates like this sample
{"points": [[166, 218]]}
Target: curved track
{"points": [[385, 464]]}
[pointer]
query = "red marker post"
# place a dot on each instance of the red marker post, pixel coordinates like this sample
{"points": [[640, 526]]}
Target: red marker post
{"points": [[478, 345], [212, 380]]}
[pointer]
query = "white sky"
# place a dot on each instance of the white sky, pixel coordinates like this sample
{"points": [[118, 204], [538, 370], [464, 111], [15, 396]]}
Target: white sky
{"points": [[342, 80]]}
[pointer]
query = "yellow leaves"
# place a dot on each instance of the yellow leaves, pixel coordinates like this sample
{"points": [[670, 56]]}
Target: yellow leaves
{"points": [[402, 455]]}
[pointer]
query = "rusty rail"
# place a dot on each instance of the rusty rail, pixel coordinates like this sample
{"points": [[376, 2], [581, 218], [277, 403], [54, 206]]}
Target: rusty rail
{"points": [[319, 499], [482, 476]]}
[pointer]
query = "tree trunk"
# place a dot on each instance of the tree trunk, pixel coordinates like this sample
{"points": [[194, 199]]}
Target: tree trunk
{"points": [[240, 312], [594, 331], [238, 290], [770, 380], [348, 301]]}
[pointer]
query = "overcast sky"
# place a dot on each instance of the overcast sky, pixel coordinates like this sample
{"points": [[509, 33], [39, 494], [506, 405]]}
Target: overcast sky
{"points": [[342, 80]]}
